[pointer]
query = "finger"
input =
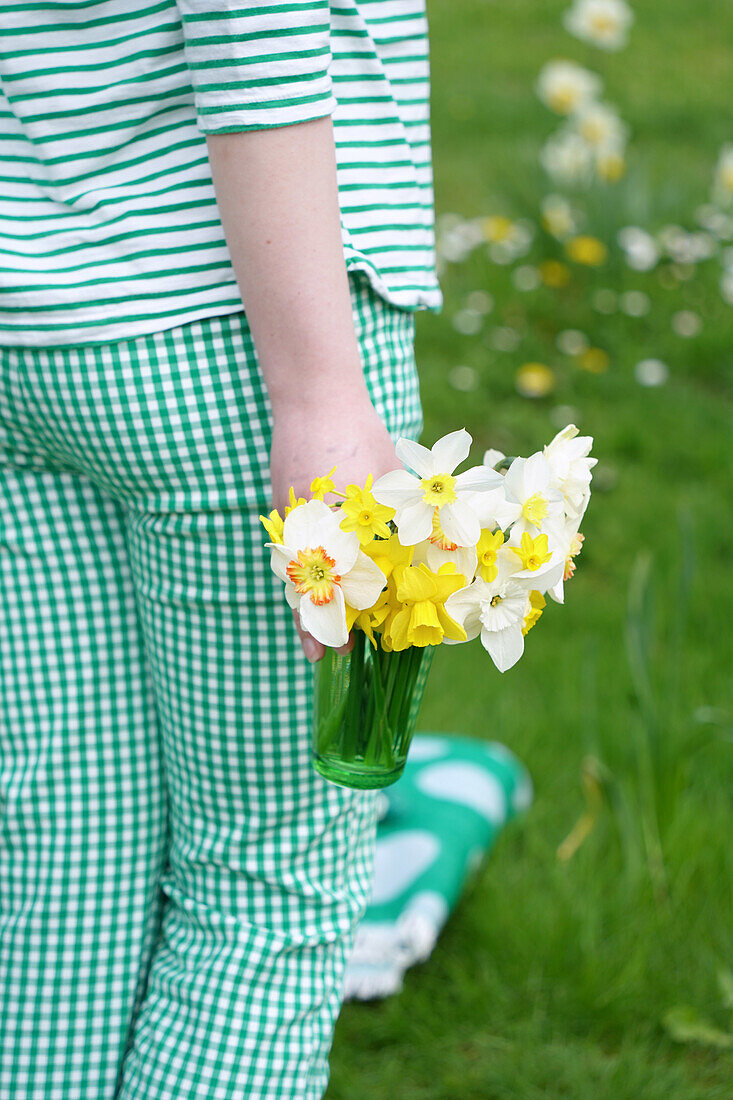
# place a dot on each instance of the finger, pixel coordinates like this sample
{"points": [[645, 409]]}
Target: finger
{"points": [[349, 645], [313, 649]]}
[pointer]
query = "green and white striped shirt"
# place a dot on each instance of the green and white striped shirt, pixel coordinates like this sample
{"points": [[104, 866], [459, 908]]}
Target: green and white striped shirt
{"points": [[108, 222]]}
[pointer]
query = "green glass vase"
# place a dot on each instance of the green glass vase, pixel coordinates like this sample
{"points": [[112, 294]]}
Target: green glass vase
{"points": [[365, 708]]}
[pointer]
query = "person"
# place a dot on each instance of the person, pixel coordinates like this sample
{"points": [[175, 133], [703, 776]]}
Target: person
{"points": [[216, 228]]}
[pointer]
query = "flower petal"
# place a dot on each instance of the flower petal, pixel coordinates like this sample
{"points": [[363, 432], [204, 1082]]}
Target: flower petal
{"points": [[492, 456], [505, 647], [460, 523], [363, 583], [292, 595], [396, 489], [464, 607], [449, 451], [414, 455], [327, 621], [414, 522], [304, 525], [342, 546], [479, 478]]}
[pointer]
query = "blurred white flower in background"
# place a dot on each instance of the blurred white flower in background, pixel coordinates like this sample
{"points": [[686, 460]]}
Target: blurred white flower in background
{"points": [[480, 301], [651, 372], [723, 180], [603, 23], [640, 249], [564, 86], [463, 378], [600, 125], [605, 300], [559, 218], [568, 158], [526, 277], [572, 342], [684, 247], [716, 221], [507, 239], [468, 321], [456, 237], [504, 338], [686, 323], [635, 303]]}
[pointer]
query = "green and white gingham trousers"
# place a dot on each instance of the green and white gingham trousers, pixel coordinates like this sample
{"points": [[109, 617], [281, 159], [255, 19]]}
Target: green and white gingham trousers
{"points": [[179, 888]]}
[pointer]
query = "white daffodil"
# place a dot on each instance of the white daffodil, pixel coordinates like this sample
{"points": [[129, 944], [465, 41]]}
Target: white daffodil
{"points": [[567, 541], [436, 550], [496, 611], [324, 568], [536, 558], [604, 23], [567, 456], [529, 483], [416, 498], [563, 86], [494, 510]]}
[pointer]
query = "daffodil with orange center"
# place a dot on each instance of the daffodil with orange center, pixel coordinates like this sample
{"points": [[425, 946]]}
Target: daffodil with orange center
{"points": [[324, 569]]}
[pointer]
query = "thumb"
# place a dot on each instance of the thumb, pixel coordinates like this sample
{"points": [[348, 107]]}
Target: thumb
{"points": [[313, 649]]}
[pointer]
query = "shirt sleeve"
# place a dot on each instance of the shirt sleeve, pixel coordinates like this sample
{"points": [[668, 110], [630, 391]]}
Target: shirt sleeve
{"points": [[257, 63]]}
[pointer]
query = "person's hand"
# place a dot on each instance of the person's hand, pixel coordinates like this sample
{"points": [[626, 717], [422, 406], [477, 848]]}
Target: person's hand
{"points": [[309, 438]]}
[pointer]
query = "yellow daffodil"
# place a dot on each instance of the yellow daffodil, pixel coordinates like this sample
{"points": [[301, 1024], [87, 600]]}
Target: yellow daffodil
{"points": [[488, 544], [532, 552], [362, 514], [273, 524], [389, 554], [422, 619], [322, 485], [294, 502], [536, 604], [371, 619]]}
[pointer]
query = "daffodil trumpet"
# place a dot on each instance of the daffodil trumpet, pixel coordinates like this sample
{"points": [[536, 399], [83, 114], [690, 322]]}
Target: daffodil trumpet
{"points": [[422, 556]]}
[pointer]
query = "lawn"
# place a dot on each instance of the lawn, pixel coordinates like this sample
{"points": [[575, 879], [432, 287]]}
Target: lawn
{"points": [[554, 977]]}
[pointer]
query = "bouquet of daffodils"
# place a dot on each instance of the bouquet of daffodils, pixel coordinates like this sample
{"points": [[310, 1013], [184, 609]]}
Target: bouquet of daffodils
{"points": [[420, 557]]}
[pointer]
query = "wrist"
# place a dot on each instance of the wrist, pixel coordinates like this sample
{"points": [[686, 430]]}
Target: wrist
{"points": [[331, 392]]}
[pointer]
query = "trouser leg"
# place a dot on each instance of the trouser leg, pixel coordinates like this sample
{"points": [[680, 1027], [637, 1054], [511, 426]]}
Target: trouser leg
{"points": [[269, 864], [82, 802]]}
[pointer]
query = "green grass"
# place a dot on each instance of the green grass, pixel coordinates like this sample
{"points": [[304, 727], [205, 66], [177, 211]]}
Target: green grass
{"points": [[552, 978]]}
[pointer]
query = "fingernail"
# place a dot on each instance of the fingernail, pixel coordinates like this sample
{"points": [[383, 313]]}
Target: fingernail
{"points": [[310, 646]]}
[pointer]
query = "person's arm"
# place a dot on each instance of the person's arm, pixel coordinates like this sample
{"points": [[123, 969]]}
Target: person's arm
{"points": [[264, 98], [278, 200]]}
